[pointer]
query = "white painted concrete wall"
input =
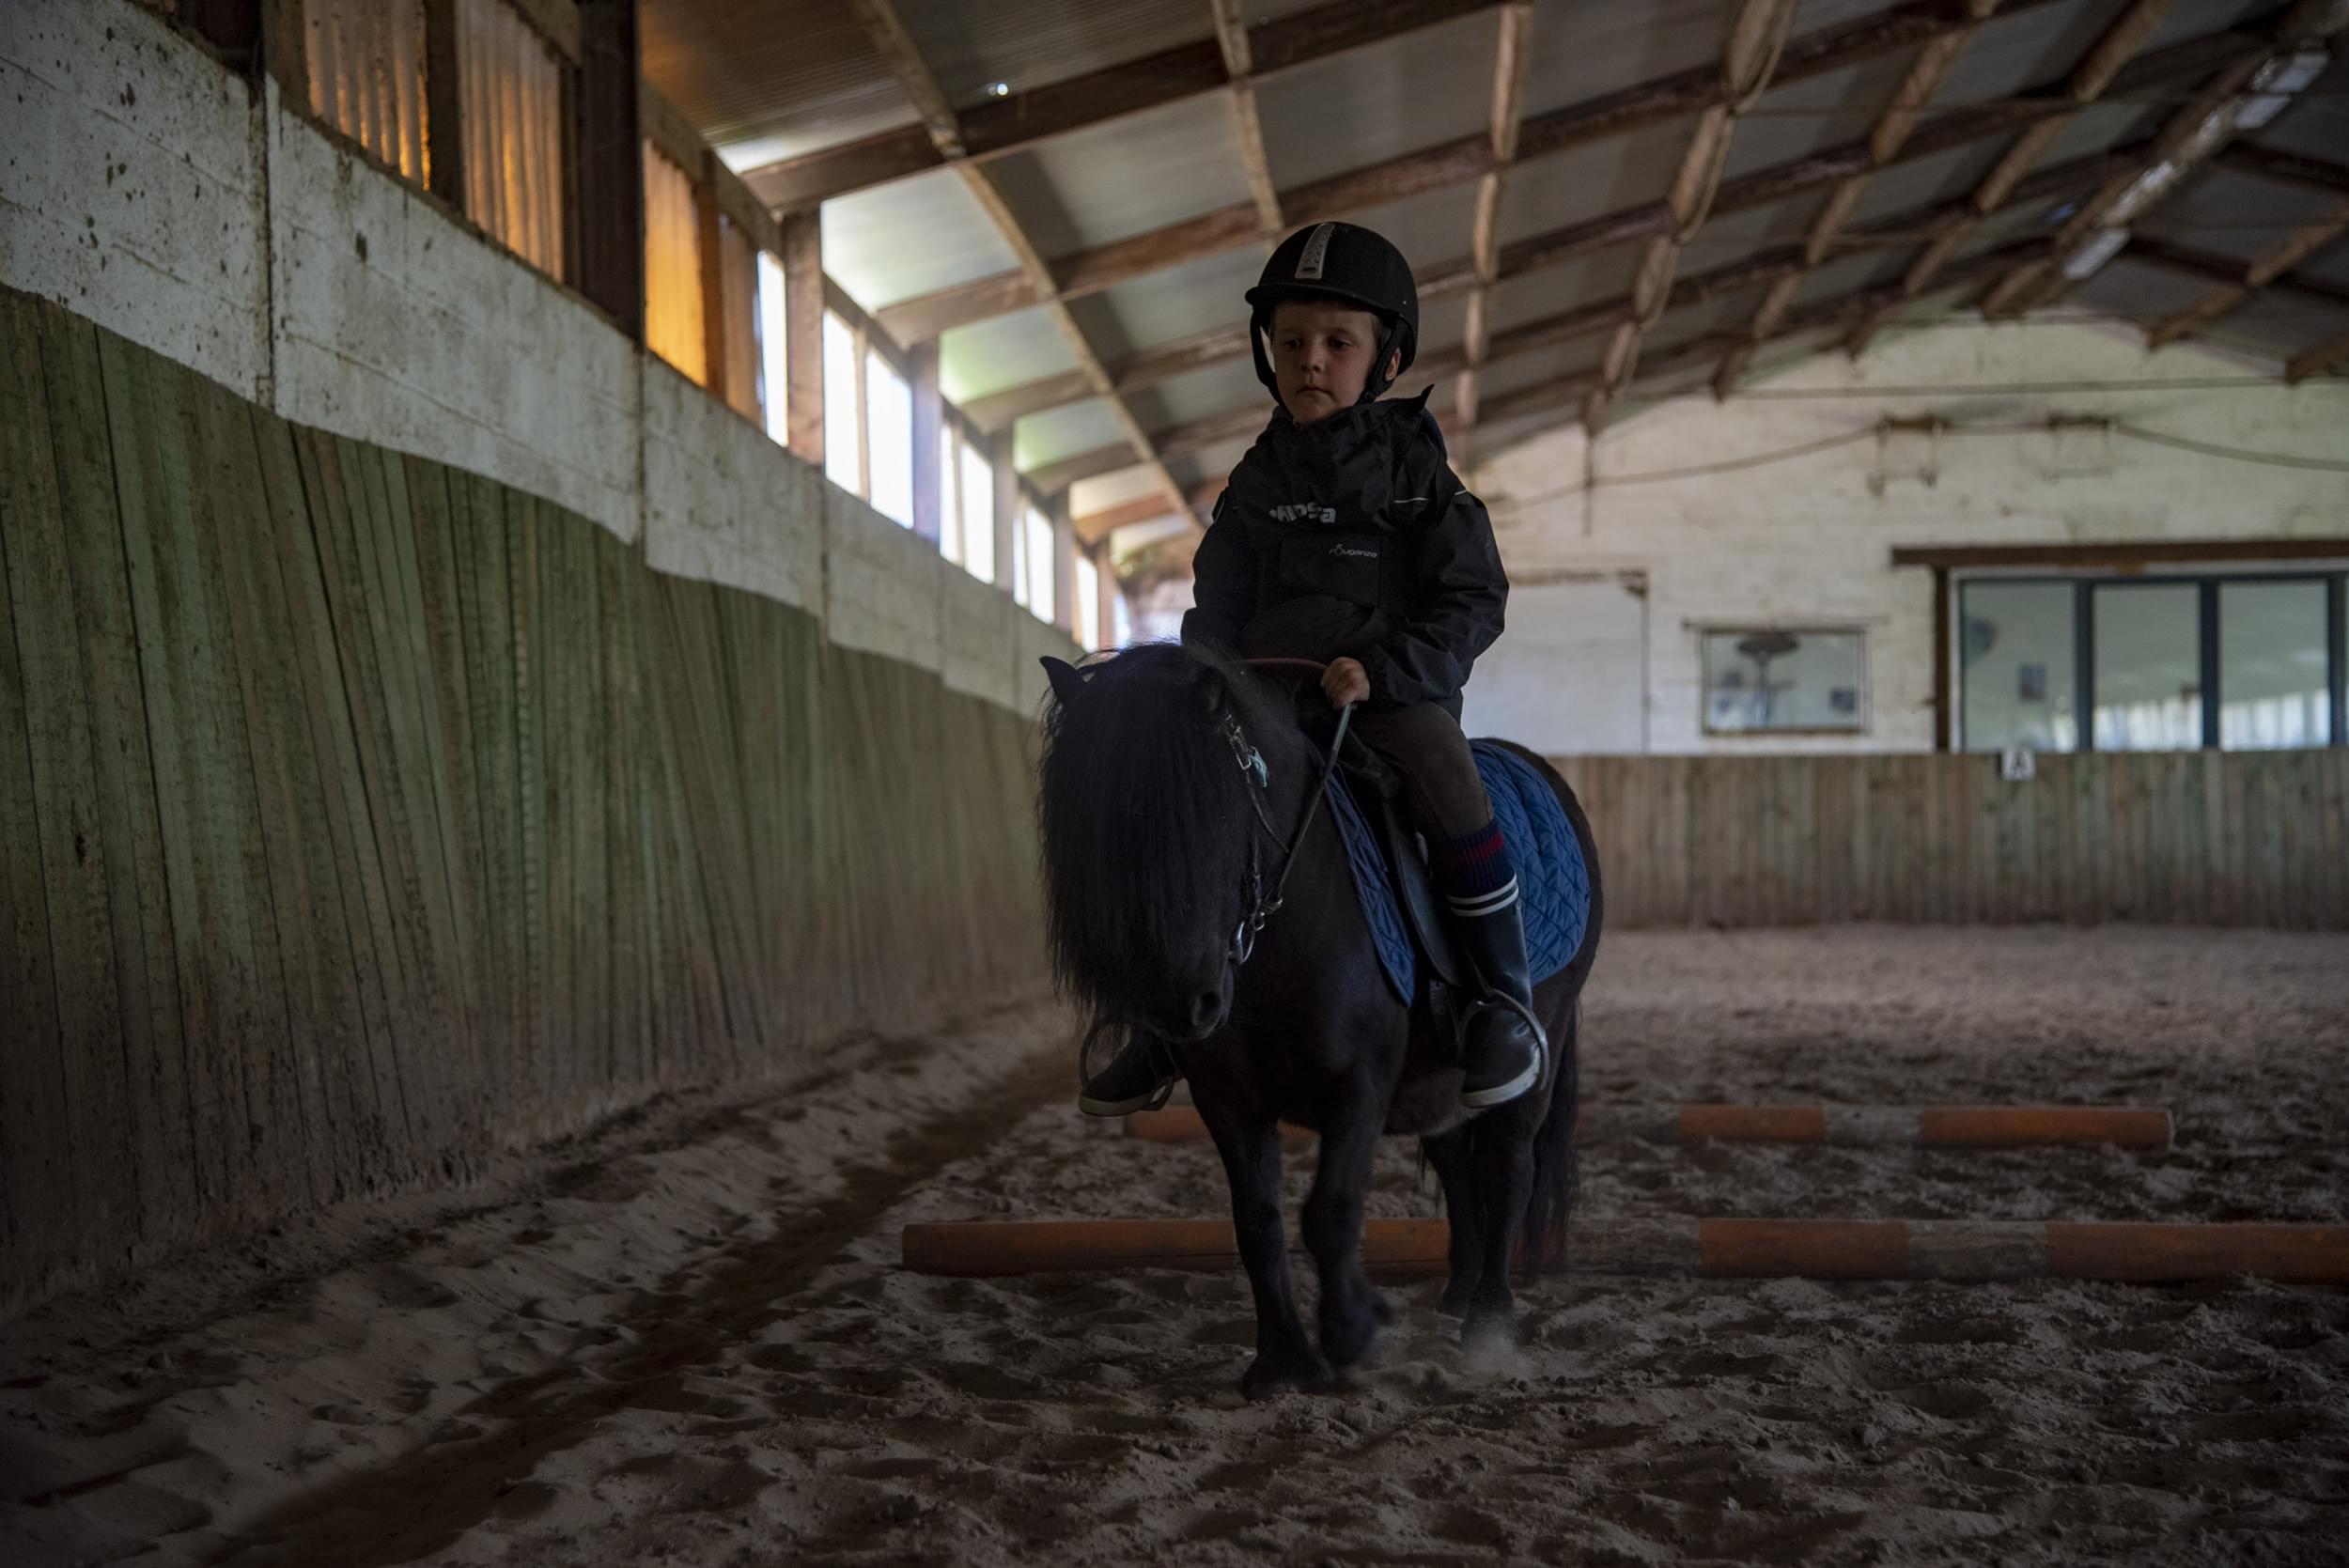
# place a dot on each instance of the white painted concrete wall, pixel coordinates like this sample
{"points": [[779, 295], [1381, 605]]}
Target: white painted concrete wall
{"points": [[1810, 540], [145, 186]]}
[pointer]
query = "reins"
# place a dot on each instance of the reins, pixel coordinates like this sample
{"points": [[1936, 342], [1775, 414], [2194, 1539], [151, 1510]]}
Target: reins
{"points": [[1263, 906]]}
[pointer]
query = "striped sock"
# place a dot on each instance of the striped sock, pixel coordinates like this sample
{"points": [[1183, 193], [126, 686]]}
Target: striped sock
{"points": [[1474, 873]]}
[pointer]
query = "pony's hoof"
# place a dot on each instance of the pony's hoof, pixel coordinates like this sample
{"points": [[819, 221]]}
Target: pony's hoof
{"points": [[1486, 1333], [1272, 1374]]}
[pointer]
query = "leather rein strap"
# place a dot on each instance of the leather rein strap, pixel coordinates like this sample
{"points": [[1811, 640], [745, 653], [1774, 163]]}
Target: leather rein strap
{"points": [[1263, 906]]}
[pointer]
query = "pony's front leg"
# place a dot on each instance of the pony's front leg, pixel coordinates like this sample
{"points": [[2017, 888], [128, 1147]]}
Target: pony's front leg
{"points": [[1250, 1143], [1352, 1309], [1450, 1153], [1501, 1145]]}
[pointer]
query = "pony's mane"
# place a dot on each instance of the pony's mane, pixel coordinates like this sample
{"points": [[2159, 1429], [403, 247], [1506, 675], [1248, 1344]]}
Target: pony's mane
{"points": [[1146, 819]]}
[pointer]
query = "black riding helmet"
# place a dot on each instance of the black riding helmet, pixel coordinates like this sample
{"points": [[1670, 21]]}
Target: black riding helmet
{"points": [[1347, 262]]}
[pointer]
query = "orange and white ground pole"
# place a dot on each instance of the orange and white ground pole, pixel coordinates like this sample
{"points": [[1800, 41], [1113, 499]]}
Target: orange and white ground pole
{"points": [[1959, 1249]]}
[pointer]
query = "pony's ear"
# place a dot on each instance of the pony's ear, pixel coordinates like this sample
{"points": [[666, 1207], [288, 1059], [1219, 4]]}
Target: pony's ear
{"points": [[1067, 685]]}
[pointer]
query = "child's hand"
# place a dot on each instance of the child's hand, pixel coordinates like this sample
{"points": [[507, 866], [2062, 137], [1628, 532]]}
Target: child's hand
{"points": [[1344, 682]]}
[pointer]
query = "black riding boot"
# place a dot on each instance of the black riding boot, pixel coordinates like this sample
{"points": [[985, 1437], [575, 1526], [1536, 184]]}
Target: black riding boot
{"points": [[1505, 1045], [1138, 1077]]}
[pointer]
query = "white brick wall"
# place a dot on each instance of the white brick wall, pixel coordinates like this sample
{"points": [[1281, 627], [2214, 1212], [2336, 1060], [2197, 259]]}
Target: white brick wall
{"points": [[131, 186], [137, 190], [1812, 538]]}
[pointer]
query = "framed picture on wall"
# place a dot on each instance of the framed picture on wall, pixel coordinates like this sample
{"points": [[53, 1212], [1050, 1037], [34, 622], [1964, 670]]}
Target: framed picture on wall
{"points": [[1784, 680]]}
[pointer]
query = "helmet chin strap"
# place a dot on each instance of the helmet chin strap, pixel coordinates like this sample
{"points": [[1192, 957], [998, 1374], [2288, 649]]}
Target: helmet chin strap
{"points": [[1379, 380]]}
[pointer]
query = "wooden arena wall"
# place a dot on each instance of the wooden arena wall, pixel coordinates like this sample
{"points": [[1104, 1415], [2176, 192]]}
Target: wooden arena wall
{"points": [[359, 816], [2214, 838]]}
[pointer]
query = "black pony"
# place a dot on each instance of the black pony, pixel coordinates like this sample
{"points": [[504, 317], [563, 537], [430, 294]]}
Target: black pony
{"points": [[1159, 839]]}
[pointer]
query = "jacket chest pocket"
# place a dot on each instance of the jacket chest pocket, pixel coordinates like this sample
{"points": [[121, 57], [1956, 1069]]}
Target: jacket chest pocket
{"points": [[1343, 564]]}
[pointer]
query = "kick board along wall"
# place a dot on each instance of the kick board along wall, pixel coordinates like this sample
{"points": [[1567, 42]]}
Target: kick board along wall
{"points": [[359, 816]]}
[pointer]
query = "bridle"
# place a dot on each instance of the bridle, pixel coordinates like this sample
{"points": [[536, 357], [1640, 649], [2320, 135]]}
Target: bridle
{"points": [[1263, 904]]}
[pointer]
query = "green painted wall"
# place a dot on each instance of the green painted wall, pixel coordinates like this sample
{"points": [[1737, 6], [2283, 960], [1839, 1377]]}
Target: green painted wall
{"points": [[359, 816]]}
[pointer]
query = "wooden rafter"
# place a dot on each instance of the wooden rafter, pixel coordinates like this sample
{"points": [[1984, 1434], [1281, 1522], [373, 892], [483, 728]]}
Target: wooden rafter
{"points": [[1231, 35], [1092, 527], [2197, 132], [1757, 41], [1892, 126], [2261, 270], [1471, 158], [2298, 168], [1508, 98], [2317, 358], [2066, 180], [888, 32]]}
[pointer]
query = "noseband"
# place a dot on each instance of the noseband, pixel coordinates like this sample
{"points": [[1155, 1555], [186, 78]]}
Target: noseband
{"points": [[1263, 904]]}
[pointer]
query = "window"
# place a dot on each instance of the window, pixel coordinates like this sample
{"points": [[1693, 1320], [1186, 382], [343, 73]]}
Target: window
{"points": [[366, 76], [2016, 649], [1021, 536], [1767, 680], [510, 84], [1121, 622], [1088, 602], [738, 293], [2273, 664], [1040, 563], [773, 347], [889, 419], [673, 267], [978, 515], [842, 423], [2156, 662]]}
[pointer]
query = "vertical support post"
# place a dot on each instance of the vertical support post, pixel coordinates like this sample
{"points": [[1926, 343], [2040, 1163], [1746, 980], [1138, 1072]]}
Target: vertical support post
{"points": [[803, 334], [1007, 499], [2337, 640], [1942, 658], [443, 106], [2206, 623], [712, 229], [1064, 564], [863, 405], [611, 165], [2084, 661], [285, 48], [929, 426], [231, 27], [1105, 610]]}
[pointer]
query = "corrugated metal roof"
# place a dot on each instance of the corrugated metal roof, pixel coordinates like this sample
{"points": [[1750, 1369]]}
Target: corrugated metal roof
{"points": [[2275, 324], [1063, 432], [1374, 103], [760, 85], [2331, 264], [1587, 181], [911, 236], [1197, 395], [2026, 49], [2102, 125], [1556, 290], [1926, 181], [1816, 113], [2198, 17], [1585, 48], [1127, 177], [1431, 229], [2138, 290], [1848, 274], [2233, 214], [1556, 363], [1442, 324], [1167, 307], [2318, 124], [1006, 352], [1029, 44]]}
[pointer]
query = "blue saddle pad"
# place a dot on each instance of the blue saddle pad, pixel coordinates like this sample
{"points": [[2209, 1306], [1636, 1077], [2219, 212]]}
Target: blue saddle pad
{"points": [[1553, 884]]}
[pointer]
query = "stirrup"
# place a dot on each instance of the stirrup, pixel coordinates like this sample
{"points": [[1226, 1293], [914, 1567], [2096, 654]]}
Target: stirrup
{"points": [[1526, 1081]]}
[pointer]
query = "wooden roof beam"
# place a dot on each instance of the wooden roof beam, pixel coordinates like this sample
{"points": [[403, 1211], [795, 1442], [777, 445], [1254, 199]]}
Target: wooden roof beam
{"points": [[2298, 168], [2195, 134], [1757, 40], [1892, 127], [1455, 163], [989, 131], [1231, 37], [1514, 39], [1093, 527], [2261, 270], [2317, 358], [881, 23]]}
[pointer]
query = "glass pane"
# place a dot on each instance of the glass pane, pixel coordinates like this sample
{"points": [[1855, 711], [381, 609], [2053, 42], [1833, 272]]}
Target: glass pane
{"points": [[1088, 603], [949, 489], [2015, 679], [840, 409], [2148, 669], [1764, 679], [889, 404], [978, 515], [772, 349], [2273, 684], [1039, 554]]}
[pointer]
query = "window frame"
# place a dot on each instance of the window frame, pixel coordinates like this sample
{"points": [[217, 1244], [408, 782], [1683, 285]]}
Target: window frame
{"points": [[1864, 716], [2206, 582]]}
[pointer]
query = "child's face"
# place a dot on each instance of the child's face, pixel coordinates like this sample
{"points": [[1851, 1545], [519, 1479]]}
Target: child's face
{"points": [[1321, 354]]}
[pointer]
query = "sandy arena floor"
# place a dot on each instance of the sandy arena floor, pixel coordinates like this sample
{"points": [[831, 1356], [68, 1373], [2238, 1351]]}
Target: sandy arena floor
{"points": [[686, 1340]]}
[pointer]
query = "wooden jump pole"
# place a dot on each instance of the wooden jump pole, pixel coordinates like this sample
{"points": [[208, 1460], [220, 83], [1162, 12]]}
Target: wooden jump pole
{"points": [[1957, 1249], [1932, 1126]]}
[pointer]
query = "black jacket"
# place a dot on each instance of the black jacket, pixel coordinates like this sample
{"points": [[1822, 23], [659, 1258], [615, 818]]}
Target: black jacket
{"points": [[1352, 537]]}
